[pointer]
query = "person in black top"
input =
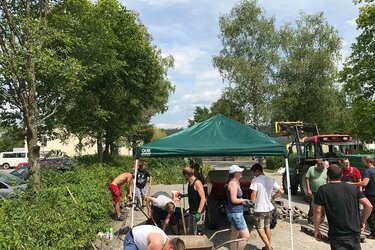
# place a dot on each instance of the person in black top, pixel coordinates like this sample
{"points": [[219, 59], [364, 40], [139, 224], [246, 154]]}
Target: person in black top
{"points": [[341, 204], [142, 176], [196, 199], [368, 183]]}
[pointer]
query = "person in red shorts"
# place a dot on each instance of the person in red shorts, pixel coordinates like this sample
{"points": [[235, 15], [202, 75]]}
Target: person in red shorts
{"points": [[349, 173], [114, 187]]}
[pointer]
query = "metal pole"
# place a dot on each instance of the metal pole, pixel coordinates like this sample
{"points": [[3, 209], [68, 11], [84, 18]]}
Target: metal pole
{"points": [[289, 203], [135, 180]]}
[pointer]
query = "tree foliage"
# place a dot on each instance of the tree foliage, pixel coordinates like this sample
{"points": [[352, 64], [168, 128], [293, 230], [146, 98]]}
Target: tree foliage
{"points": [[358, 75], [306, 78], [223, 106], [126, 80], [248, 58], [37, 75]]}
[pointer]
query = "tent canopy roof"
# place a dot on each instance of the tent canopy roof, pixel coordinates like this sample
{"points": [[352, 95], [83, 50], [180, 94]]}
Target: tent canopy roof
{"points": [[217, 136]]}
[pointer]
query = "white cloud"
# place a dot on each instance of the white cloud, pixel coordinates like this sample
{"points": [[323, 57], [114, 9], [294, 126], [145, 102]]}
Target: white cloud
{"points": [[179, 124], [159, 3], [185, 58], [206, 89], [351, 23]]}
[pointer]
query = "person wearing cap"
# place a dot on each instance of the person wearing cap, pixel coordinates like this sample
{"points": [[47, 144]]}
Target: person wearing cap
{"points": [[262, 188], [148, 237], [196, 198], [235, 208]]}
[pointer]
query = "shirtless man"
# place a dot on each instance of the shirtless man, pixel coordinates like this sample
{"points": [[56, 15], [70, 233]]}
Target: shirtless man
{"points": [[114, 187]]}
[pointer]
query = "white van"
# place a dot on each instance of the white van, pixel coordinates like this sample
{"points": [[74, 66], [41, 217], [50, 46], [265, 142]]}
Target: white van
{"points": [[12, 159]]}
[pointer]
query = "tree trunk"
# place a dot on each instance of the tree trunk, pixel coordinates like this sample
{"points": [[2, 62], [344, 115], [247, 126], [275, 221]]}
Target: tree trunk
{"points": [[106, 149], [32, 144], [99, 142]]}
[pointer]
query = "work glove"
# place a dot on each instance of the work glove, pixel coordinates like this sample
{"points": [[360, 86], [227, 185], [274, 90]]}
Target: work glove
{"points": [[198, 217], [248, 203]]}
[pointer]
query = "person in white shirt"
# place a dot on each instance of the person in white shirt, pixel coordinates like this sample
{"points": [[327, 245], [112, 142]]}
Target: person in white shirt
{"points": [[162, 207], [148, 237], [261, 195]]}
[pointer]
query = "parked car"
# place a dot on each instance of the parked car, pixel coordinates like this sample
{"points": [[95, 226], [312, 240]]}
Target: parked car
{"points": [[9, 184], [23, 171], [21, 164]]}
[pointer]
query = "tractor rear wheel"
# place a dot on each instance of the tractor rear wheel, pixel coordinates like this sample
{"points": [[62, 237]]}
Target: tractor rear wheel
{"points": [[212, 213], [293, 188]]}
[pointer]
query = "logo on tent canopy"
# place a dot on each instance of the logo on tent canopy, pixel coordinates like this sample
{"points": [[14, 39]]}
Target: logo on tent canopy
{"points": [[146, 151]]}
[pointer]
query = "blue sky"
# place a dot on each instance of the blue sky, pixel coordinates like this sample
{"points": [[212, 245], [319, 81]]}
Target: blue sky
{"points": [[188, 30]]}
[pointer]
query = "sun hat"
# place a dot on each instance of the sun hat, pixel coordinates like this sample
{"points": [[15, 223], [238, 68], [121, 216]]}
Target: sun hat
{"points": [[234, 169]]}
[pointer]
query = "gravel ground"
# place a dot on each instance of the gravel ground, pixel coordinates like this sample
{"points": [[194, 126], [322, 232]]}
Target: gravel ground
{"points": [[280, 235]]}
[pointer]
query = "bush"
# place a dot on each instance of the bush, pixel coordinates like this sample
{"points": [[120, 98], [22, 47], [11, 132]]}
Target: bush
{"points": [[274, 162], [52, 220]]}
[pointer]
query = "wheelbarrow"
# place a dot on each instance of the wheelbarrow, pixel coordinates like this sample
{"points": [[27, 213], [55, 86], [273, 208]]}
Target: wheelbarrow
{"points": [[202, 242]]}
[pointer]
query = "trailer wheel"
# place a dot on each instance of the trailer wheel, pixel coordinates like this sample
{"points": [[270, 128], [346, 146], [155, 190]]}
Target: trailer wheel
{"points": [[212, 213], [293, 189]]}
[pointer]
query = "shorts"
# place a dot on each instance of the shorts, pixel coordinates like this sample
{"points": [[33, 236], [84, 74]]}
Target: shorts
{"points": [[115, 192], [263, 220], [129, 243], [140, 192], [237, 220]]}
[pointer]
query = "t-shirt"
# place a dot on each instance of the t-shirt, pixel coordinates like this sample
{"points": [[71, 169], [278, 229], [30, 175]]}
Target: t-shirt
{"points": [[316, 177], [370, 188], [264, 186], [161, 199], [141, 233], [142, 176], [351, 174], [341, 203]]}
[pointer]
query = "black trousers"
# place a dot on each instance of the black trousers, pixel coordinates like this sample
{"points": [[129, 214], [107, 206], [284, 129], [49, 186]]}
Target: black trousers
{"points": [[371, 218], [348, 242]]}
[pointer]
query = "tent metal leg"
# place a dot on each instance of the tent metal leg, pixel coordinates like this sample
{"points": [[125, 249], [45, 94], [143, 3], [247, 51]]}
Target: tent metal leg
{"points": [[135, 181], [289, 203]]}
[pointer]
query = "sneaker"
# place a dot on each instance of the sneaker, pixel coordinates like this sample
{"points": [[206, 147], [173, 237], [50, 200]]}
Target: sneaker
{"points": [[121, 218], [371, 236], [136, 208]]}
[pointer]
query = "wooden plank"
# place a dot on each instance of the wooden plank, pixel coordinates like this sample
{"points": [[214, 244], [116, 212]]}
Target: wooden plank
{"points": [[309, 229]]}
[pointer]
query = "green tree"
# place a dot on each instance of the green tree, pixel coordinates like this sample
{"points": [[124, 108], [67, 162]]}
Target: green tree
{"points": [[223, 106], [11, 138], [229, 108], [37, 75], [157, 134], [200, 115], [126, 82], [358, 75], [305, 87], [248, 59]]}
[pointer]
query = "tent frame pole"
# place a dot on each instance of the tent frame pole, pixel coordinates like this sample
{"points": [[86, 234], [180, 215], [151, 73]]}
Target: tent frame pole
{"points": [[133, 200], [289, 203]]}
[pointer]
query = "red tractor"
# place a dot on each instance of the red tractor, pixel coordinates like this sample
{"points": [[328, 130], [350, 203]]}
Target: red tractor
{"points": [[329, 147]]}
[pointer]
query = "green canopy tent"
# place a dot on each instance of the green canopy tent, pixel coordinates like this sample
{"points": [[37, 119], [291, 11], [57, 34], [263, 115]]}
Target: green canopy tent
{"points": [[217, 136]]}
